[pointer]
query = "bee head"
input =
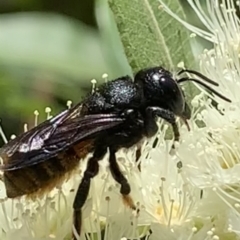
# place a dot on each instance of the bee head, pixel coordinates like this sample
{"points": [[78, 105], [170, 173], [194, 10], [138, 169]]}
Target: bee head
{"points": [[162, 90]]}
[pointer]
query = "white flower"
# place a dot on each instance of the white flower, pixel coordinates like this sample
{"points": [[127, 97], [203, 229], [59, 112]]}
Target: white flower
{"points": [[218, 17], [213, 161], [164, 199], [223, 29], [193, 194]]}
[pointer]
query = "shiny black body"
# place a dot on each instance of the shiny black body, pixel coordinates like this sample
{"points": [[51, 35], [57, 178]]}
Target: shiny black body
{"points": [[135, 101], [119, 114]]}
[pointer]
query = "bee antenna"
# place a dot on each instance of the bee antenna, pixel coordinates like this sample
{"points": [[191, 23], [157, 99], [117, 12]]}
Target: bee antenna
{"points": [[205, 86], [199, 75]]}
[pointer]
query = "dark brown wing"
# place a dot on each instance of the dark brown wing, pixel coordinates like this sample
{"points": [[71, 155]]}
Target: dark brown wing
{"points": [[53, 137], [34, 138]]}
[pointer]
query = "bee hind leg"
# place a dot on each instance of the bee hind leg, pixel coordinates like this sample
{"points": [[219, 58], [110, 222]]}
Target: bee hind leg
{"points": [[83, 189], [119, 177]]}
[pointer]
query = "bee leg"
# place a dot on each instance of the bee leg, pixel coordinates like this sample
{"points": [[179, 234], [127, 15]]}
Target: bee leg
{"points": [[168, 116], [176, 133], [83, 188], [138, 155], [176, 139], [118, 176]]}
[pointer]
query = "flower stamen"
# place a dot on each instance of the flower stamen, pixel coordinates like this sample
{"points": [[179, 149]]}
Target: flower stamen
{"points": [[36, 114], [2, 134]]}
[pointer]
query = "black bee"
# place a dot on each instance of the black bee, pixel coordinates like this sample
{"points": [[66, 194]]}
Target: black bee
{"points": [[117, 115]]}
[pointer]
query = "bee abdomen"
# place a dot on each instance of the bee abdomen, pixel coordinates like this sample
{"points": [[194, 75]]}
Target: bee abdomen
{"points": [[39, 178]]}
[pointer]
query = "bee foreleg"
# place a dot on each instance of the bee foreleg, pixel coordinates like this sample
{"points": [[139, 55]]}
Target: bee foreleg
{"points": [[168, 116], [118, 176], [175, 133], [83, 189]]}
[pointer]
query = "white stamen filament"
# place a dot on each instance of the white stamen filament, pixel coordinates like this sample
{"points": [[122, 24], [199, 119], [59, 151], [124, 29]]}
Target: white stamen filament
{"points": [[3, 135], [48, 112]]}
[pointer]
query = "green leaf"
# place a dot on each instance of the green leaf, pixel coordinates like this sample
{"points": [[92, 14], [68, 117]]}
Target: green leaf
{"points": [[50, 43], [152, 37], [113, 48], [149, 35]]}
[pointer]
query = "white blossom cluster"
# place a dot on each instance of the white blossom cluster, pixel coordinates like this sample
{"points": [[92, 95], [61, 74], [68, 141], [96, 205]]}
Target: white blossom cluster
{"points": [[191, 194]]}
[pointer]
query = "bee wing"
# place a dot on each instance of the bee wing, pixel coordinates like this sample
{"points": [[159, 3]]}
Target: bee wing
{"points": [[47, 141], [35, 137]]}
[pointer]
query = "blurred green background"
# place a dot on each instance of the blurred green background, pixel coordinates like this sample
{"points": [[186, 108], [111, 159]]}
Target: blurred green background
{"points": [[49, 52]]}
